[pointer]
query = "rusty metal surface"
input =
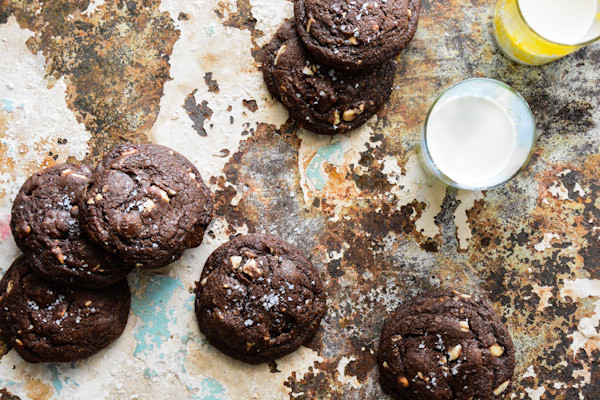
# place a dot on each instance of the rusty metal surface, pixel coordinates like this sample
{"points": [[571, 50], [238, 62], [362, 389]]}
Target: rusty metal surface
{"points": [[185, 74]]}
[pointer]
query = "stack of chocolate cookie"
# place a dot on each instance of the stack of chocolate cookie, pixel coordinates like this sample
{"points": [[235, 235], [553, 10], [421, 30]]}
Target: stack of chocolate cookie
{"points": [[332, 66], [81, 233]]}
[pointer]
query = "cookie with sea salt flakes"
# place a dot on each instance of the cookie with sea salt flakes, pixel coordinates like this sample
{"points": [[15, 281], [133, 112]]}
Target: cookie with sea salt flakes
{"points": [[319, 98], [259, 298], [51, 323], [356, 34], [147, 204], [46, 223], [446, 345]]}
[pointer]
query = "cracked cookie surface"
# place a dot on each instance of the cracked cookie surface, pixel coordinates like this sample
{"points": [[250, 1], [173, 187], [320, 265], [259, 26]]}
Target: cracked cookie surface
{"points": [[147, 203], [259, 298], [322, 99], [49, 323], [446, 345], [46, 223], [356, 34]]}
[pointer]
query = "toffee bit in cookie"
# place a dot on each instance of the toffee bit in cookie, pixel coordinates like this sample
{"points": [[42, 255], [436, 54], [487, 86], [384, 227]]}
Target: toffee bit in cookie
{"points": [[403, 381], [128, 152], [498, 391], [455, 352], [235, 261], [496, 350], [279, 53], [309, 24], [464, 326]]}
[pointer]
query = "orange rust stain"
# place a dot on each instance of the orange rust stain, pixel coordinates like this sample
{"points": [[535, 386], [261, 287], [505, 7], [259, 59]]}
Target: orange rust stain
{"points": [[38, 390]]}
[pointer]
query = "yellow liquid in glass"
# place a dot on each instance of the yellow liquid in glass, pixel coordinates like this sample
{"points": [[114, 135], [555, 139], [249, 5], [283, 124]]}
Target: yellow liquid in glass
{"points": [[519, 42]]}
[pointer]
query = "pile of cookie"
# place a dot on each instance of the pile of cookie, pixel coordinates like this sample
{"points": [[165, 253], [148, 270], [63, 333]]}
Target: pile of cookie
{"points": [[81, 233], [332, 66]]}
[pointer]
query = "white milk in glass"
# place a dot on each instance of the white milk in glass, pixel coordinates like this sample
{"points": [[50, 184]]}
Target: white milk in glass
{"points": [[560, 21], [471, 139]]}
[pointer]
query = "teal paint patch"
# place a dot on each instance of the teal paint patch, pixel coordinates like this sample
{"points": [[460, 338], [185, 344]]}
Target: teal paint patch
{"points": [[8, 105], [210, 389], [331, 154], [148, 373], [56, 382], [151, 308]]}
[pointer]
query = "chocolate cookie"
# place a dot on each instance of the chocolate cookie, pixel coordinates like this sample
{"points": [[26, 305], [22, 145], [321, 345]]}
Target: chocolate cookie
{"points": [[50, 323], [446, 345], [259, 299], [147, 203], [356, 34], [320, 98], [46, 223]]}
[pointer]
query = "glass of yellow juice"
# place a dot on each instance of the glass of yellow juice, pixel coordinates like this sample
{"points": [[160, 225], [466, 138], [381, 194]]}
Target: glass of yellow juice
{"points": [[536, 32]]}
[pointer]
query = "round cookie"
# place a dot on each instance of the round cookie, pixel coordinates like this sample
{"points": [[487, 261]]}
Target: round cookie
{"points": [[49, 323], [46, 223], [147, 203], [259, 299], [320, 98], [446, 345], [356, 34]]}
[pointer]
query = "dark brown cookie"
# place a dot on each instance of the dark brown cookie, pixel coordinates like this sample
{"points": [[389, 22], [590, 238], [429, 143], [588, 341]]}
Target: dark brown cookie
{"points": [[446, 345], [320, 98], [45, 222], [356, 34], [147, 203], [259, 299], [49, 323]]}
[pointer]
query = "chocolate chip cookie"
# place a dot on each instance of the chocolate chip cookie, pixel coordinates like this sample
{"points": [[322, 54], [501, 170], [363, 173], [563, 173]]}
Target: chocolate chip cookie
{"points": [[147, 203], [446, 345], [49, 323], [356, 34], [259, 298], [46, 223], [319, 98]]}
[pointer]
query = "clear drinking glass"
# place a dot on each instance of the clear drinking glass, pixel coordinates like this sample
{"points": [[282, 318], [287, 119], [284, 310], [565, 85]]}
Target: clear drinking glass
{"points": [[518, 112], [522, 44]]}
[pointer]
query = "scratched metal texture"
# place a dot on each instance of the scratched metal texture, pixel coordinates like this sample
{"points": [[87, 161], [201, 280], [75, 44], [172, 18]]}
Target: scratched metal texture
{"points": [[78, 76]]}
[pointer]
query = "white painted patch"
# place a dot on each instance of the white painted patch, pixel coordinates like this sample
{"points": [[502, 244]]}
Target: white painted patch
{"points": [[586, 336], [559, 191], [545, 294], [205, 45], [35, 114], [467, 200], [535, 394], [579, 190], [342, 377], [413, 185], [530, 373], [546, 242], [93, 7]]}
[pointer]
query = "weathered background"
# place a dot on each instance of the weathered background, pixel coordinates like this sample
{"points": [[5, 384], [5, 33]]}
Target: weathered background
{"points": [[77, 76]]}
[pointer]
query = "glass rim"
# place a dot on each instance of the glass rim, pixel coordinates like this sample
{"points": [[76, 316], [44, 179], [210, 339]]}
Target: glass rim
{"points": [[581, 44], [449, 181]]}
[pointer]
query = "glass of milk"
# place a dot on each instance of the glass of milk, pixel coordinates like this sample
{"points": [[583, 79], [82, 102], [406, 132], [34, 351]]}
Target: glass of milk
{"points": [[478, 135], [536, 32]]}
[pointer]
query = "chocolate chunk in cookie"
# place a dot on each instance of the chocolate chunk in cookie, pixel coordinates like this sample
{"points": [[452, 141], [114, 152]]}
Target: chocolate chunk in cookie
{"points": [[320, 98], [147, 203], [259, 299], [46, 223], [50, 323], [446, 345], [356, 34]]}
